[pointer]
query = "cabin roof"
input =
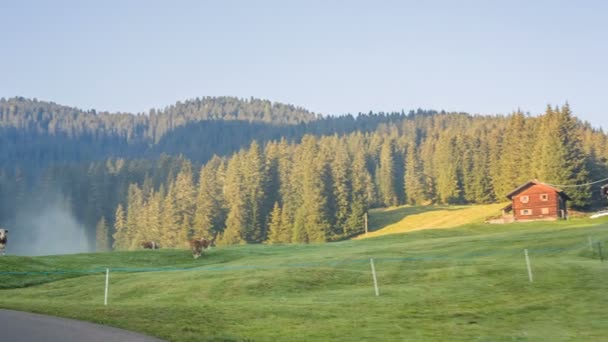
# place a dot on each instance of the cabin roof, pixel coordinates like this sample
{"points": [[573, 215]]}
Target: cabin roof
{"points": [[536, 182]]}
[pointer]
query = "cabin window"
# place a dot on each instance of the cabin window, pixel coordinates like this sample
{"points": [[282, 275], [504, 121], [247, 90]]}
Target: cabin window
{"points": [[545, 211], [544, 197], [524, 199], [526, 212]]}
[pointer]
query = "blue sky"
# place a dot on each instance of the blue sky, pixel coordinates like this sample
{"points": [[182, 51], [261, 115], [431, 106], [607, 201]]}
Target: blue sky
{"points": [[332, 57]]}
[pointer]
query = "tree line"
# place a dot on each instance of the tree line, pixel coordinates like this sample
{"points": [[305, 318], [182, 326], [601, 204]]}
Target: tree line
{"points": [[35, 134], [317, 188]]}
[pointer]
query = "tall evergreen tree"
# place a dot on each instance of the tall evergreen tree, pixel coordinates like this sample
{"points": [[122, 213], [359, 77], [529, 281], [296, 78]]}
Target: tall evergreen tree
{"points": [[255, 180], [236, 221], [563, 161], [210, 214], [135, 204], [515, 154], [121, 235], [414, 178], [446, 164], [185, 195], [170, 220], [277, 232], [342, 188], [387, 175]]}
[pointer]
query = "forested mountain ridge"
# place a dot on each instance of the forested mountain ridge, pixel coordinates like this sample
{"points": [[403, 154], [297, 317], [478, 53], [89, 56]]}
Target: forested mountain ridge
{"points": [[35, 133], [51, 118], [306, 182]]}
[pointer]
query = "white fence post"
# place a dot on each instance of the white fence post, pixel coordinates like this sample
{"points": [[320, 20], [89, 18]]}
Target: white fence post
{"points": [[529, 267], [105, 300], [374, 276]]}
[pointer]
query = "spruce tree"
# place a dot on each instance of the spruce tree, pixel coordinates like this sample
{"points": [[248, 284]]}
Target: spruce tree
{"points": [[235, 192], [563, 161], [210, 215], [342, 187], [185, 195], [515, 155], [135, 204], [276, 232], [170, 220], [255, 181], [120, 227], [446, 169], [387, 175], [414, 178]]}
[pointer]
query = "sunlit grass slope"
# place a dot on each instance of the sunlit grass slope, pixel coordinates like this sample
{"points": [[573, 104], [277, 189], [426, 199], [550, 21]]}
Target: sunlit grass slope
{"points": [[405, 219], [459, 284]]}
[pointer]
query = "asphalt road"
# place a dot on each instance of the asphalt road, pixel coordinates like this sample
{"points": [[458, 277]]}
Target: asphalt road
{"points": [[17, 326]]}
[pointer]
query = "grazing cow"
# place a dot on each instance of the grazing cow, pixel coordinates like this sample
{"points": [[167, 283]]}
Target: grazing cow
{"points": [[149, 245], [198, 245], [3, 239]]}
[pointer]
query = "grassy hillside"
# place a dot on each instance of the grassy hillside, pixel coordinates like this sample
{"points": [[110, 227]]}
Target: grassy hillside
{"points": [[405, 219], [465, 283]]}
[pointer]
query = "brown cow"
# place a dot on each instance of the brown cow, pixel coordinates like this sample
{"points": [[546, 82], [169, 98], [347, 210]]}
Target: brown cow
{"points": [[3, 240], [149, 245], [198, 245]]}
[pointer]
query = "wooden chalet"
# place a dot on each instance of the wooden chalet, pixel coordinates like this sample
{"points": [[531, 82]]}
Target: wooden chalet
{"points": [[537, 201]]}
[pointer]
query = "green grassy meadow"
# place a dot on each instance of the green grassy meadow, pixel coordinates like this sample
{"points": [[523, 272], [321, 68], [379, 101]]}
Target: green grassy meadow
{"points": [[459, 284], [404, 219]]}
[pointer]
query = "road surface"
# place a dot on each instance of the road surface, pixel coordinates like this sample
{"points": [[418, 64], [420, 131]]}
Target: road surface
{"points": [[17, 326]]}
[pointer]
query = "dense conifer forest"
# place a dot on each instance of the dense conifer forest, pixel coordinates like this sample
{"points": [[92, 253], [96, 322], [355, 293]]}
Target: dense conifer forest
{"points": [[254, 171]]}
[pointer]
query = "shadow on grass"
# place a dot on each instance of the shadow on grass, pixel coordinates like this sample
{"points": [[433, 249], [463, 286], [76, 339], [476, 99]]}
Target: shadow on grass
{"points": [[394, 215]]}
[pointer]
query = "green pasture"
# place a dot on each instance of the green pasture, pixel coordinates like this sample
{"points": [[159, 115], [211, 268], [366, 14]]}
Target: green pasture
{"points": [[468, 283]]}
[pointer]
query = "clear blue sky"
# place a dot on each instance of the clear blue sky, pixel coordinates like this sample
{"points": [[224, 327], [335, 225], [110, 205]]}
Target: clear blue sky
{"points": [[332, 57]]}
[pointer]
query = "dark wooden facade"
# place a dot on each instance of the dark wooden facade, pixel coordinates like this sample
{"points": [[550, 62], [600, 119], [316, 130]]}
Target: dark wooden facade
{"points": [[537, 201]]}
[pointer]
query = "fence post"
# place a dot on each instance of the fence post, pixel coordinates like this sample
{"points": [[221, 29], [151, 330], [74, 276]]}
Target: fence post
{"points": [[374, 276], [105, 299], [529, 267]]}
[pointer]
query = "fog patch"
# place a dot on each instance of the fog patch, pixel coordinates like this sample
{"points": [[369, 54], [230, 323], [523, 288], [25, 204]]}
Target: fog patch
{"points": [[47, 228]]}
